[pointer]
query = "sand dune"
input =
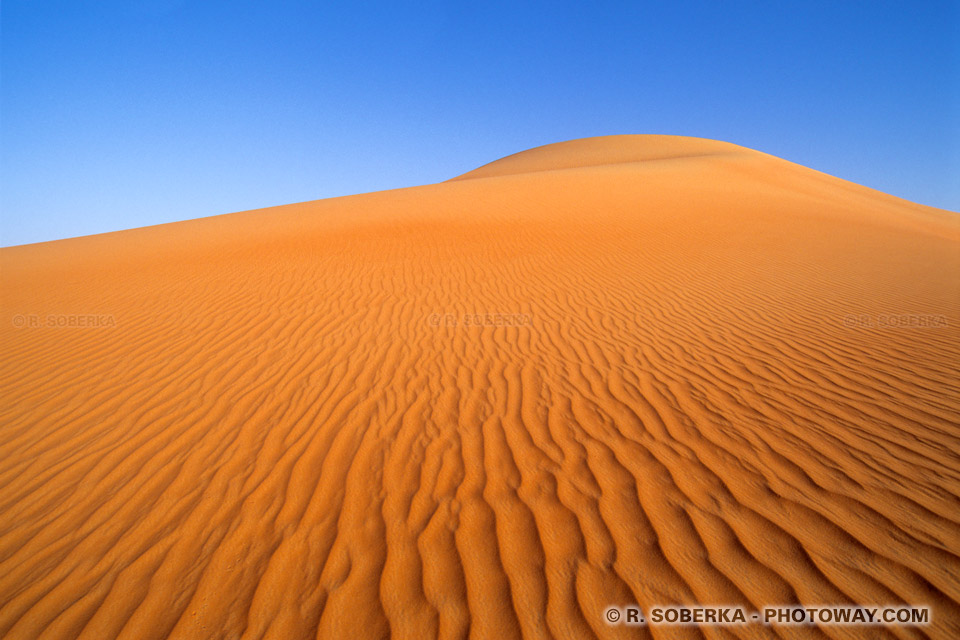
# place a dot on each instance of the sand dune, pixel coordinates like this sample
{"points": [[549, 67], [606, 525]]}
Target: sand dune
{"points": [[636, 369]]}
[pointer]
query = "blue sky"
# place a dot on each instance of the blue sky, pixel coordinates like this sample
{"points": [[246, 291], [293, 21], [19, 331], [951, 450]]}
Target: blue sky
{"points": [[122, 114]]}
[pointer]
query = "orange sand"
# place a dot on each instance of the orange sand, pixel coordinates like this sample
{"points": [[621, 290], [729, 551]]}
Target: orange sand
{"points": [[286, 428]]}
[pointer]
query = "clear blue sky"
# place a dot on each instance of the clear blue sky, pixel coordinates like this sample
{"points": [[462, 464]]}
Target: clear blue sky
{"points": [[118, 114]]}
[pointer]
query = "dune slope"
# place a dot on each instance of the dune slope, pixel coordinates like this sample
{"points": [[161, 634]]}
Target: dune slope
{"points": [[637, 369]]}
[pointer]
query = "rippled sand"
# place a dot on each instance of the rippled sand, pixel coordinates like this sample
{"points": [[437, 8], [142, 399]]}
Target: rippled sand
{"points": [[636, 369]]}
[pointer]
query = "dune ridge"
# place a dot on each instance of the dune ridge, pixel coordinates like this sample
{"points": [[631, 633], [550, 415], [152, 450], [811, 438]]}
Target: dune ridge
{"points": [[638, 369]]}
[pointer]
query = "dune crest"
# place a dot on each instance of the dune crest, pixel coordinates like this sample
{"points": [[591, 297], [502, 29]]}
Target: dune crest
{"points": [[637, 369], [603, 151]]}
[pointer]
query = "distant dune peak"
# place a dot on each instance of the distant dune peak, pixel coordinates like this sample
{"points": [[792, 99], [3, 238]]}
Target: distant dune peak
{"points": [[601, 150]]}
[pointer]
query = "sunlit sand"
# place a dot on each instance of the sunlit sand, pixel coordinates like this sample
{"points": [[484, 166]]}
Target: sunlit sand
{"points": [[634, 369]]}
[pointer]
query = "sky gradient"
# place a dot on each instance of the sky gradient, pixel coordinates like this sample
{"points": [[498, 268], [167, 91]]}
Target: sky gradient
{"points": [[116, 115]]}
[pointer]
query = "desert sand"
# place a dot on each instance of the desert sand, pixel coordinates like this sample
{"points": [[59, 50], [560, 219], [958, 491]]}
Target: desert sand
{"points": [[631, 369]]}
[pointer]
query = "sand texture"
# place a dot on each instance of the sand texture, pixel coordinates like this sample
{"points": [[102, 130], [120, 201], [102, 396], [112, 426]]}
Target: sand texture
{"points": [[634, 369]]}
